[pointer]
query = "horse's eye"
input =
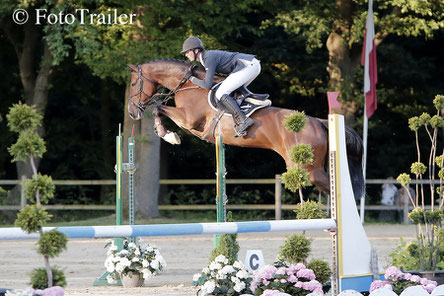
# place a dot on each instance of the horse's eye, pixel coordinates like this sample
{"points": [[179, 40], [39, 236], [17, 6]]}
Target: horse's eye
{"points": [[132, 84]]}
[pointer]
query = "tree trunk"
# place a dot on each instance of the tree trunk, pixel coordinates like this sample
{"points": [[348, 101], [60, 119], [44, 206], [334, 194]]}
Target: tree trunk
{"points": [[35, 83], [147, 160], [107, 141], [343, 59]]}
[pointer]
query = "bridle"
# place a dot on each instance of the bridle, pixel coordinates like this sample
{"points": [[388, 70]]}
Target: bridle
{"points": [[158, 98]]}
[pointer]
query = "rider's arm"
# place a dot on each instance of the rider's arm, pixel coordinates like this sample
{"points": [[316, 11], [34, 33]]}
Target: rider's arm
{"points": [[210, 69]]}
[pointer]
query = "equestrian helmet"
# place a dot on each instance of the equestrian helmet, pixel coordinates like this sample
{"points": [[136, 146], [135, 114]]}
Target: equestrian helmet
{"points": [[191, 43]]}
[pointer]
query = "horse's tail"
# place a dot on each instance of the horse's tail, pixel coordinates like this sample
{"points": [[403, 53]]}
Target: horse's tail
{"points": [[354, 146]]}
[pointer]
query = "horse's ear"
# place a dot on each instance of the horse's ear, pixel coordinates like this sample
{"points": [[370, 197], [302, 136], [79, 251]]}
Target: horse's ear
{"points": [[132, 67]]}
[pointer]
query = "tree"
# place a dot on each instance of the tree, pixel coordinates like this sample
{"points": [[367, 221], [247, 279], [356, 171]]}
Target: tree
{"points": [[38, 50], [340, 26]]}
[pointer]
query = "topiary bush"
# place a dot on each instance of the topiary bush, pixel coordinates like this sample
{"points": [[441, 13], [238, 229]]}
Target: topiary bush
{"points": [[296, 249], [321, 269], [228, 245], [39, 278]]}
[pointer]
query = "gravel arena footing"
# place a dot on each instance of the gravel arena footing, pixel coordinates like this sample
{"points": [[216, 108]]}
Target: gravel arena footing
{"points": [[185, 255]]}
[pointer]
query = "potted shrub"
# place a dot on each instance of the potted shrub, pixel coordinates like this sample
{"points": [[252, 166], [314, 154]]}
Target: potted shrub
{"points": [[133, 264]]}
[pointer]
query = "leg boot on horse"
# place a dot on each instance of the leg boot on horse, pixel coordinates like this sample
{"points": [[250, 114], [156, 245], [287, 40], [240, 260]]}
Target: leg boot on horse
{"points": [[239, 117]]}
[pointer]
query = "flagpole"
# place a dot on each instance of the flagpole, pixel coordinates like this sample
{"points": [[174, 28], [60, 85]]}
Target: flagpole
{"points": [[364, 158]]}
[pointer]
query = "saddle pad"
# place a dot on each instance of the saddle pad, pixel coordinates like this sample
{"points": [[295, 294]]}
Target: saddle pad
{"points": [[245, 105]]}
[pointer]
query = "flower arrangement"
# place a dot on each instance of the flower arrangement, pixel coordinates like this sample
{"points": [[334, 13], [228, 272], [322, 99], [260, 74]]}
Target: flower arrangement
{"points": [[53, 291], [398, 281], [221, 278], [141, 259], [295, 280]]}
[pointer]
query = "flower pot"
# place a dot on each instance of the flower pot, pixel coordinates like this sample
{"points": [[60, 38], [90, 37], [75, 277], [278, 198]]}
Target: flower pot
{"points": [[132, 279]]}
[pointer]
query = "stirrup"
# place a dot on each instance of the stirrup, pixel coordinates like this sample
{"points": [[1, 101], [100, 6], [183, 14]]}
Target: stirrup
{"points": [[242, 133]]}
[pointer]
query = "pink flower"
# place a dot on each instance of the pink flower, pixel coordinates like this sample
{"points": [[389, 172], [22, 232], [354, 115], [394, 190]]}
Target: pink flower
{"points": [[292, 279], [299, 285], [299, 266], [429, 287], [306, 273], [415, 279], [281, 271], [407, 276], [393, 273], [265, 282], [283, 281], [379, 284], [269, 292], [312, 285]]}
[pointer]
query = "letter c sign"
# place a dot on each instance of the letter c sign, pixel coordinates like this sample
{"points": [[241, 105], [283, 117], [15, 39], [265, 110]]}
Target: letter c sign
{"points": [[254, 260]]}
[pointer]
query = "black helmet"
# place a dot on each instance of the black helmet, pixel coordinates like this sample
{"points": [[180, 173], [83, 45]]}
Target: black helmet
{"points": [[191, 43]]}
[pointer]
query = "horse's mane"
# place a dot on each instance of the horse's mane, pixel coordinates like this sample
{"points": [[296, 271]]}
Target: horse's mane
{"points": [[185, 64]]}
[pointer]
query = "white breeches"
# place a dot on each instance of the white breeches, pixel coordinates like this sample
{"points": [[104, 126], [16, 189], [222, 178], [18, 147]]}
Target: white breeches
{"points": [[237, 79]]}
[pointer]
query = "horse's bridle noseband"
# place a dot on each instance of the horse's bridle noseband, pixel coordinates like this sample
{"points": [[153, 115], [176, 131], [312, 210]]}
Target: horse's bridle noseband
{"points": [[141, 106]]}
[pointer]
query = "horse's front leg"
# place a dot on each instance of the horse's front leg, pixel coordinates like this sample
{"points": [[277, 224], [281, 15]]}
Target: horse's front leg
{"points": [[159, 129]]}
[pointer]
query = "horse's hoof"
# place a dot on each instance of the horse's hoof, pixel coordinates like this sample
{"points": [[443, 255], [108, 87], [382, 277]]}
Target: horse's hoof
{"points": [[172, 138]]}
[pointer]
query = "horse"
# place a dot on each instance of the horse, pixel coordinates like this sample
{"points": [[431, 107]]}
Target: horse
{"points": [[193, 114]]}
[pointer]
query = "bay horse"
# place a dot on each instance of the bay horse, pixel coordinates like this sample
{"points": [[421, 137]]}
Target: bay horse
{"points": [[193, 114]]}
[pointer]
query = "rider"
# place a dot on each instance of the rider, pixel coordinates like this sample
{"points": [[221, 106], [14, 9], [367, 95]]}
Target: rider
{"points": [[241, 69]]}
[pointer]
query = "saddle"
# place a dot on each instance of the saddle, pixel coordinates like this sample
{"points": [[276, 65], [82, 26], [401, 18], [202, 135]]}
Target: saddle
{"points": [[247, 105]]}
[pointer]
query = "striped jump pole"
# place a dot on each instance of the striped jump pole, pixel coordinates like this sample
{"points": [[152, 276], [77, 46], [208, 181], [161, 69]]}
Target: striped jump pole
{"points": [[16, 233]]}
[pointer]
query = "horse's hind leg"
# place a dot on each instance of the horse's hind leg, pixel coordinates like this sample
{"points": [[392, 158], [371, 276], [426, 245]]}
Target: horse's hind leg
{"points": [[319, 177]]}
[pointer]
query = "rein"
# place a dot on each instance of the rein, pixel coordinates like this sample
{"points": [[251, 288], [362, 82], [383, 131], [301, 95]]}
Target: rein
{"points": [[158, 98]]}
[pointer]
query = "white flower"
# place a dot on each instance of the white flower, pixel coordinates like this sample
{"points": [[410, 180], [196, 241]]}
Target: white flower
{"points": [[135, 259], [154, 264], [220, 275], [239, 286], [238, 265], [123, 253], [145, 263], [147, 274], [120, 267], [214, 265], [196, 277], [208, 287], [235, 280], [228, 269], [242, 274], [109, 264], [110, 280], [137, 252], [116, 259], [125, 262], [206, 270], [221, 259], [132, 245]]}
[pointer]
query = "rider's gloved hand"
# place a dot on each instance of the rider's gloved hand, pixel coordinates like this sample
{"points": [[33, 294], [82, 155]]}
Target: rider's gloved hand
{"points": [[188, 75]]}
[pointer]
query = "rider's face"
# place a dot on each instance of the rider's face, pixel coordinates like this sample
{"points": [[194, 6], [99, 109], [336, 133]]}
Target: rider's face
{"points": [[190, 55]]}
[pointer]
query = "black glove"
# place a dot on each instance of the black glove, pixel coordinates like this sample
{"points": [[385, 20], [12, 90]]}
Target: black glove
{"points": [[188, 75]]}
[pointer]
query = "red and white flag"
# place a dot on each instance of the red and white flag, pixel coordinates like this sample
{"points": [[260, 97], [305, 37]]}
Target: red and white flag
{"points": [[368, 59]]}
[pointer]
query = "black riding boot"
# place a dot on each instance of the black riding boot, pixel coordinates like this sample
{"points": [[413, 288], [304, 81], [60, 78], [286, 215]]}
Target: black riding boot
{"points": [[246, 93], [242, 120]]}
